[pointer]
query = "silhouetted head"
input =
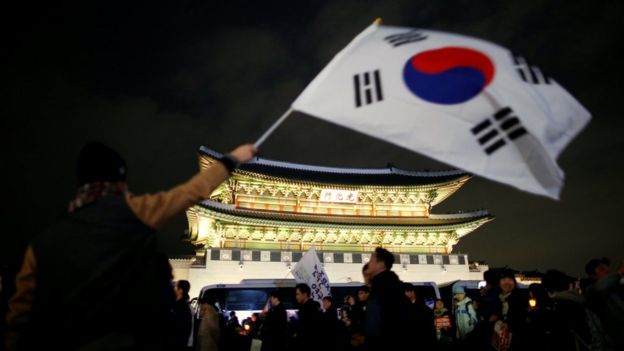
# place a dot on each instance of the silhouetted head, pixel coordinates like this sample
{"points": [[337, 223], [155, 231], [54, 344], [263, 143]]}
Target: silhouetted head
{"points": [[98, 162], [302, 293], [598, 267], [554, 281], [380, 260]]}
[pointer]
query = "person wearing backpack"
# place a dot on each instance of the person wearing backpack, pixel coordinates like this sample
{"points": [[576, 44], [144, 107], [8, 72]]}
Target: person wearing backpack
{"points": [[465, 314]]}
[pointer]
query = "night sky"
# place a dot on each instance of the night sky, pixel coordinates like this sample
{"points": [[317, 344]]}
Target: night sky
{"points": [[157, 81]]}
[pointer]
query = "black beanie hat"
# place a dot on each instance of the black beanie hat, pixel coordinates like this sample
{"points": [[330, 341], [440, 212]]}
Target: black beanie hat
{"points": [[98, 162]]}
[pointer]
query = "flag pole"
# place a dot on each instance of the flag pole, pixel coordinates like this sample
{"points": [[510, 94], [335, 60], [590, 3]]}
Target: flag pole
{"points": [[266, 134], [272, 128]]}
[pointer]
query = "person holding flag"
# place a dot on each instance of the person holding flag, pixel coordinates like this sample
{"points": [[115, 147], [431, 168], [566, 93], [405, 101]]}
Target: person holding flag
{"points": [[68, 297]]}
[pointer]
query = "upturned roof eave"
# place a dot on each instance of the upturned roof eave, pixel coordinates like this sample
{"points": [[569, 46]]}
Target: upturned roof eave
{"points": [[352, 176]]}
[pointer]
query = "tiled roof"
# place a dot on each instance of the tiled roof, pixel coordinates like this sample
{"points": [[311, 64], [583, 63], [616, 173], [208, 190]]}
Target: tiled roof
{"points": [[378, 176]]}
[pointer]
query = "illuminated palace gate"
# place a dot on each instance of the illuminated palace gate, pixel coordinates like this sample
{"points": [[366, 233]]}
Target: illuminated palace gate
{"points": [[280, 206]]}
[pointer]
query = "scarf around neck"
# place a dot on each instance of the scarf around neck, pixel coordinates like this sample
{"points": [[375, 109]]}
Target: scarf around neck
{"points": [[90, 192]]}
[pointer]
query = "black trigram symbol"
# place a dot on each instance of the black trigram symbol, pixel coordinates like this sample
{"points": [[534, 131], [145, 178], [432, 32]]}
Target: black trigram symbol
{"points": [[367, 88], [405, 38], [528, 73], [495, 131]]}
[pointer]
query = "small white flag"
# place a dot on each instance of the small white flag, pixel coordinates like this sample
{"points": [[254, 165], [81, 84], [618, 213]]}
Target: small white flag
{"points": [[309, 270]]}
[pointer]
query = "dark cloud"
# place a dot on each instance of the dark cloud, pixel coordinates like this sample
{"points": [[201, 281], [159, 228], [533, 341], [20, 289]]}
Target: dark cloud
{"points": [[158, 81]]}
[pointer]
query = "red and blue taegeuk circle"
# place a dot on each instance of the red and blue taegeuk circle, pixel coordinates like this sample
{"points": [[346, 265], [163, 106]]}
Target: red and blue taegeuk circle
{"points": [[449, 75]]}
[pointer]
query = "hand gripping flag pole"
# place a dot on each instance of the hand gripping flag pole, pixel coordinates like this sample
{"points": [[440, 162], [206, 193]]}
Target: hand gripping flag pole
{"points": [[272, 128]]}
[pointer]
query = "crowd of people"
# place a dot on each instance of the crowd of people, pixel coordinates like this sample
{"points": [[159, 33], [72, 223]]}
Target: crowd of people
{"points": [[559, 313], [95, 281]]}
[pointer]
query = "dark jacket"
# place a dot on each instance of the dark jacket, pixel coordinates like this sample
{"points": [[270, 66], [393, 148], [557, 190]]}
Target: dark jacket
{"points": [[571, 328], [358, 318], [182, 323], [335, 333], [96, 270], [489, 305], [274, 329], [387, 314], [422, 326], [516, 318], [94, 275], [308, 327], [604, 300]]}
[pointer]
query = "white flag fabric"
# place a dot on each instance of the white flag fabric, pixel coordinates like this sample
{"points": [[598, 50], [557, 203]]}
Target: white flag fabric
{"points": [[461, 100], [309, 270]]}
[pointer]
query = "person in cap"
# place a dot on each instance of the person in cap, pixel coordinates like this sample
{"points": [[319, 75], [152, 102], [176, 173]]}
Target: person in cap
{"points": [[464, 312], [95, 280]]}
